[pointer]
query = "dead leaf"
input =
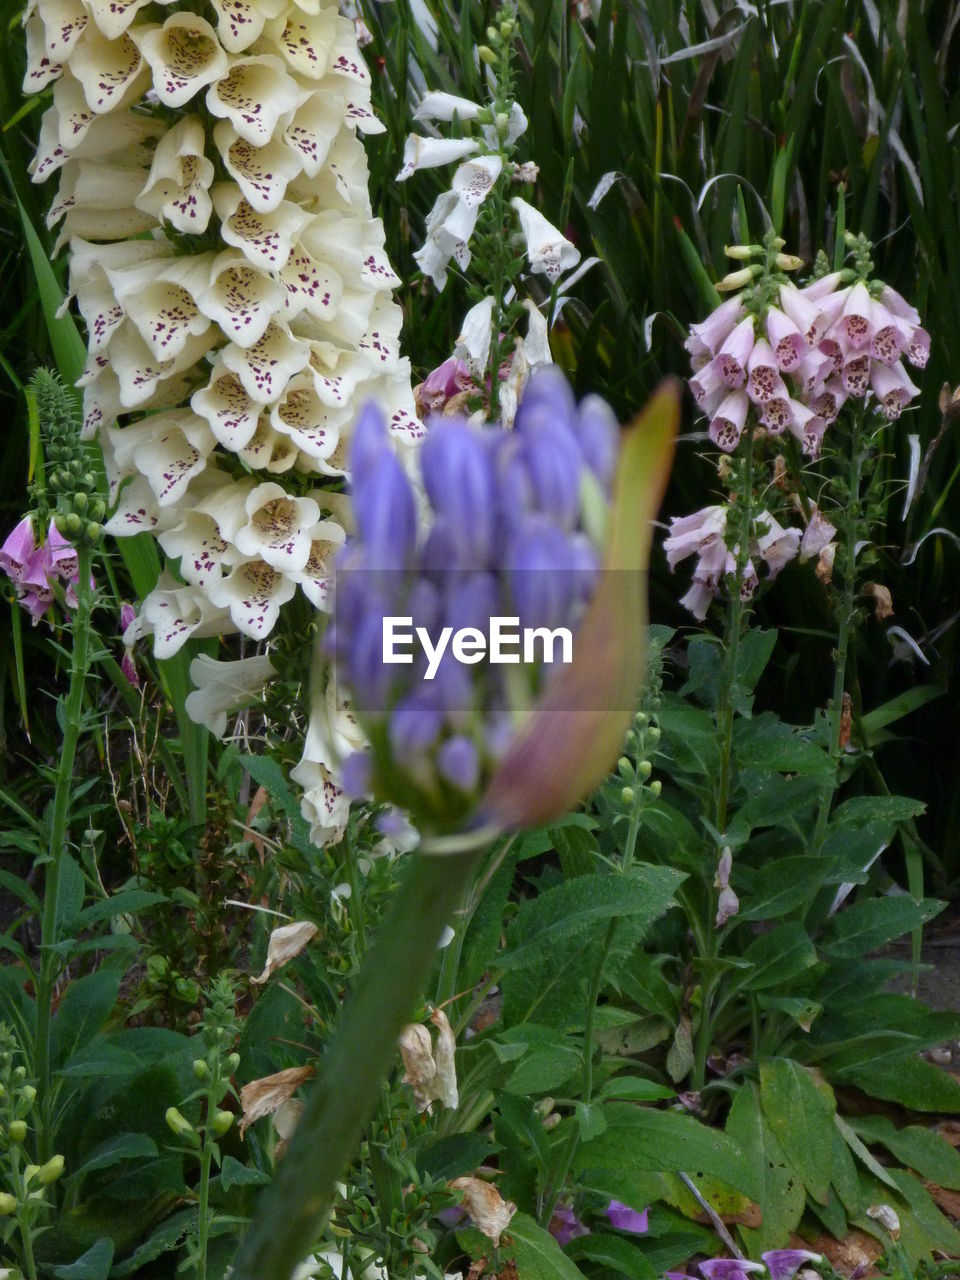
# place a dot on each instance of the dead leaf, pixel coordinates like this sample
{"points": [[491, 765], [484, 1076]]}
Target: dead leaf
{"points": [[486, 1206], [948, 1201], [856, 1252], [265, 1096], [882, 599], [846, 722], [256, 804], [285, 943], [430, 1070]]}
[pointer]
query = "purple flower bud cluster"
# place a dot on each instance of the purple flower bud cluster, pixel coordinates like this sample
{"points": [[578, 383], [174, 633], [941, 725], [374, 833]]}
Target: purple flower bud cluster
{"points": [[35, 568], [795, 364], [494, 530]]}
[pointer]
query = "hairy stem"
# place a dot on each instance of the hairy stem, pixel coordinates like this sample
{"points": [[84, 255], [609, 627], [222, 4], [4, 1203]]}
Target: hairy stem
{"points": [[49, 963], [364, 1047]]}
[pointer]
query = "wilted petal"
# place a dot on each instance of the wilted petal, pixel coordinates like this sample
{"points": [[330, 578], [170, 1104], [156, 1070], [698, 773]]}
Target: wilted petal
{"points": [[486, 1206], [285, 943], [268, 1094]]}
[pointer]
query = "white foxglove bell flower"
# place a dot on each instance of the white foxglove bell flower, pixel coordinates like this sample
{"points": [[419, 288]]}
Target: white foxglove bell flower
{"points": [[112, 72], [196, 542], [252, 592], [265, 367], [230, 413], [240, 22], [473, 344], [172, 613], [312, 426], [444, 106], [222, 688], [178, 188], [184, 56], [167, 449], [253, 95], [316, 577], [548, 251], [307, 41], [240, 298], [261, 172], [265, 239], [278, 528], [430, 153], [160, 299]]}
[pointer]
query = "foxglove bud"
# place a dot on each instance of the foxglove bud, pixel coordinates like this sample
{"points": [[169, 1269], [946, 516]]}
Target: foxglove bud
{"points": [[17, 1131], [221, 1122], [50, 1171], [181, 1126], [8, 1204]]}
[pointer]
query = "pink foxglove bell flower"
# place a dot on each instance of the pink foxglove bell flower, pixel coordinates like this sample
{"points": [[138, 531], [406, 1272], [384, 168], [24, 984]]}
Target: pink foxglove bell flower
{"points": [[624, 1218], [707, 337], [566, 1226], [731, 361], [442, 384], [728, 904], [128, 616], [729, 1268], [818, 533], [37, 569], [727, 424]]}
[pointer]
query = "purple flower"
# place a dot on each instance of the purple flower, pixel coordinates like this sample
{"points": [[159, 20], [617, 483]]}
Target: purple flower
{"points": [[18, 550], [598, 434], [35, 568], [458, 475], [783, 1264], [566, 1226], [626, 1219], [459, 763], [728, 1268], [445, 382]]}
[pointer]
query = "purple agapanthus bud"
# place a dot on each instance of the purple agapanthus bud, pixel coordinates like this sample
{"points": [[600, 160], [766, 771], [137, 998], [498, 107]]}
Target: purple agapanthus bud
{"points": [[416, 722], [459, 763], [383, 501], [540, 573], [598, 434], [472, 602], [553, 460], [783, 1264], [626, 1219], [458, 475], [355, 773], [548, 392]]}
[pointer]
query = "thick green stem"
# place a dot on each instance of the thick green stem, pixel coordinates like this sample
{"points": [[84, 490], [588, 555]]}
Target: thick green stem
{"points": [[556, 1184], [292, 1210], [206, 1158], [49, 962], [845, 612]]}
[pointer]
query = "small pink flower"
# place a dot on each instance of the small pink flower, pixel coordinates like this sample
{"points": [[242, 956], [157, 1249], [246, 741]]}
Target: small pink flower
{"points": [[18, 549], [707, 337], [763, 381], [707, 386], [728, 1268], [728, 904], [776, 415], [128, 620], [857, 319], [855, 375], [809, 431], [788, 343], [812, 371], [60, 556], [442, 384], [892, 388], [701, 595], [730, 362], [690, 534], [817, 290], [828, 401], [783, 1264], [804, 313], [726, 426], [777, 546], [566, 1226]]}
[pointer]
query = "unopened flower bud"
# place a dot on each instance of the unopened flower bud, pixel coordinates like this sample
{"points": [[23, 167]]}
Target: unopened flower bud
{"points": [[200, 1068], [644, 768], [8, 1204], [625, 768], [50, 1171], [29, 1173], [221, 1122], [493, 34], [778, 242], [17, 1130], [653, 734], [656, 787], [738, 279], [506, 29], [80, 501], [742, 252], [641, 718], [788, 262], [28, 1094], [19, 1073], [181, 1126], [552, 1120], [232, 1061], [502, 121], [627, 795], [544, 1106], [486, 54]]}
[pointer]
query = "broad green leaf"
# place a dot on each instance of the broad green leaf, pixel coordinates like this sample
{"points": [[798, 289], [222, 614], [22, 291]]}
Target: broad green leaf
{"points": [[591, 1120], [452, 1156], [119, 1147], [776, 957], [784, 884], [634, 1089], [68, 347], [781, 1197], [170, 1234], [93, 1265], [640, 1139], [869, 924], [863, 809], [799, 1109], [619, 1255], [234, 1174], [910, 1080], [921, 1150], [589, 707], [862, 1152], [85, 1007], [768, 743], [562, 914], [540, 1070], [537, 1254]]}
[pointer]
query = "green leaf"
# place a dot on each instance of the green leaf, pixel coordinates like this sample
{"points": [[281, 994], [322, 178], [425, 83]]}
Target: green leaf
{"points": [[766, 742], [69, 348], [129, 902], [122, 1146], [537, 1254], [912, 1081], [591, 1120], [799, 1109], [869, 924], [921, 1150], [169, 1235], [85, 1007], [640, 1139], [620, 1256], [93, 1265], [234, 1174], [449, 1157], [863, 809], [786, 883], [862, 1153], [560, 915], [777, 957], [781, 1197], [634, 1089]]}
